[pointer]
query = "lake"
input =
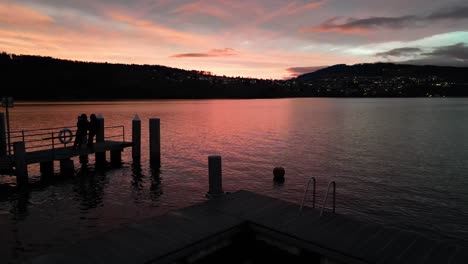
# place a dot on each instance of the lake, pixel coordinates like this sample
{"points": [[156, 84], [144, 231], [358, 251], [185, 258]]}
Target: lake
{"points": [[400, 162]]}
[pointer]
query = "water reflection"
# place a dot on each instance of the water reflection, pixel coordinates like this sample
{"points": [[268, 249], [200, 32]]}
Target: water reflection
{"points": [[20, 203], [156, 186], [90, 187], [137, 176]]}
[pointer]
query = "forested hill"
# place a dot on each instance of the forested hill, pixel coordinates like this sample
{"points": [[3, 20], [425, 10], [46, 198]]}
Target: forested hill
{"points": [[27, 77], [388, 70]]}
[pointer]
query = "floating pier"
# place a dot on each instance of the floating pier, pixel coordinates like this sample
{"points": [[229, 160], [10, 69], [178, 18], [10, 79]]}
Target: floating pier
{"points": [[243, 227]]}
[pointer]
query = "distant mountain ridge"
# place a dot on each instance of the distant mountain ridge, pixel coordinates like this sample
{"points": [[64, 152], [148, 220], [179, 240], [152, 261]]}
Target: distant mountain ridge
{"points": [[36, 78], [387, 70]]}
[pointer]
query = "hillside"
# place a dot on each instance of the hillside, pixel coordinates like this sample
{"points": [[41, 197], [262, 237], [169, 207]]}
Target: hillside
{"points": [[386, 80], [27, 77], [44, 78]]}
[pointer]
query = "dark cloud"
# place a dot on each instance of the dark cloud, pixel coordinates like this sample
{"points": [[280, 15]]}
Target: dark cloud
{"points": [[452, 55], [360, 24], [296, 71], [458, 51], [211, 53], [401, 52]]}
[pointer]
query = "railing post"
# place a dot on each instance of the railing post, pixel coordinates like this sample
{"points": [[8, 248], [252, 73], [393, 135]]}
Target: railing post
{"points": [[215, 177], [136, 138], [21, 167], [101, 155], [155, 143], [3, 142]]}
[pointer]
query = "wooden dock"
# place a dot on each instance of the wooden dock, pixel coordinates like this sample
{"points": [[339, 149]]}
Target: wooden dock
{"points": [[68, 152], [187, 235]]}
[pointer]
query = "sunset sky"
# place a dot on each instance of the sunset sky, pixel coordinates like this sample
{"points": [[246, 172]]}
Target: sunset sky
{"points": [[253, 38]]}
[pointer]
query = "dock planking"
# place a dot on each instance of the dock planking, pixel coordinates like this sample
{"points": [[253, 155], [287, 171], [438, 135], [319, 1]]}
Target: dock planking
{"points": [[181, 233], [68, 152]]}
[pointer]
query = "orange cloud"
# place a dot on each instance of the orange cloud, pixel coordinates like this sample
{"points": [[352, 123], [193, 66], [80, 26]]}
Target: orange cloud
{"points": [[15, 15]]}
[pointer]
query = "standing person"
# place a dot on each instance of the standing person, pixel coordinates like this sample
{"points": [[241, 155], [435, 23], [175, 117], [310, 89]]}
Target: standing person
{"points": [[92, 130], [81, 131]]}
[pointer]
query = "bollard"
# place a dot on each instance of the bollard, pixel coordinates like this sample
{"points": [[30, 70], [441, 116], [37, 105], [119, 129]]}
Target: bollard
{"points": [[215, 177], [3, 142], [101, 155], [155, 143], [20, 164], [136, 138]]}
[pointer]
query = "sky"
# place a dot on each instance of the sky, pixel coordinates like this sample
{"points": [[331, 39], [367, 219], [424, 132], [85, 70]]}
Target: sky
{"points": [[269, 39]]}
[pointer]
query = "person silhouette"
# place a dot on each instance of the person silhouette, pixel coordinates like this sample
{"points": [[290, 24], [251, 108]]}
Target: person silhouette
{"points": [[81, 131], [92, 130]]}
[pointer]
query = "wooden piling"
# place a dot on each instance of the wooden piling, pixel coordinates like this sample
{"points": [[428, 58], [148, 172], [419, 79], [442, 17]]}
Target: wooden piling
{"points": [[155, 143], [3, 142], [67, 168], [215, 177], [136, 138], [116, 157], [21, 167], [47, 168], [84, 159], [100, 156]]}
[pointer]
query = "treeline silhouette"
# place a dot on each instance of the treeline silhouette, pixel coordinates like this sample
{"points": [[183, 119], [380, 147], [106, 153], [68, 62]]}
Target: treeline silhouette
{"points": [[27, 77]]}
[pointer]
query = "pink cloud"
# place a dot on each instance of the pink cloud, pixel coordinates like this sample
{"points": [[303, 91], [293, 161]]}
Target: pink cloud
{"points": [[212, 53], [202, 7], [14, 15]]}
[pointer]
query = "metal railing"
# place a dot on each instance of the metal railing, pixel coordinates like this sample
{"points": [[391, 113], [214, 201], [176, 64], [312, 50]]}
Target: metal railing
{"points": [[48, 138], [311, 179], [332, 183]]}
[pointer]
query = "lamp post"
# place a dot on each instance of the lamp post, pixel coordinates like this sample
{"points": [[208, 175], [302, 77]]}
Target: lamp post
{"points": [[7, 102]]}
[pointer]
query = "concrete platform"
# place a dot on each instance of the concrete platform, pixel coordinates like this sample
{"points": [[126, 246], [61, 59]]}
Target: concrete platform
{"points": [[195, 231]]}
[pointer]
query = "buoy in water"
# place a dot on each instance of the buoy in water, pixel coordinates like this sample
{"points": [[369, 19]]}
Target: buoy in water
{"points": [[278, 174]]}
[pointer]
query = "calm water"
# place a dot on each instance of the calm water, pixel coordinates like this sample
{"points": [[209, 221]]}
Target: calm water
{"points": [[399, 162]]}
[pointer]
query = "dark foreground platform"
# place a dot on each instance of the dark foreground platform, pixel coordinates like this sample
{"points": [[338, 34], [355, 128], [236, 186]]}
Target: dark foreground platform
{"points": [[192, 234]]}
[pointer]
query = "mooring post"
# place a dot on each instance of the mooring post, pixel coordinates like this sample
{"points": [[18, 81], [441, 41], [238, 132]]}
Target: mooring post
{"points": [[101, 155], [215, 177], [116, 157], [67, 167], [47, 168], [155, 143], [3, 143], [84, 159], [136, 138], [20, 163]]}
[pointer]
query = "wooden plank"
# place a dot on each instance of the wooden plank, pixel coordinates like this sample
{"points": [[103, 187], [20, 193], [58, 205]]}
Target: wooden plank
{"points": [[396, 247], [460, 256], [441, 254], [371, 243], [417, 252], [68, 152]]}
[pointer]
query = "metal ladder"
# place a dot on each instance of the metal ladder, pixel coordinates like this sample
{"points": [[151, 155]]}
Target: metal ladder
{"points": [[306, 191], [332, 183]]}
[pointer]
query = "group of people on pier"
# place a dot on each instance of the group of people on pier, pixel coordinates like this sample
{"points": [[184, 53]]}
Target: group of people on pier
{"points": [[85, 132]]}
